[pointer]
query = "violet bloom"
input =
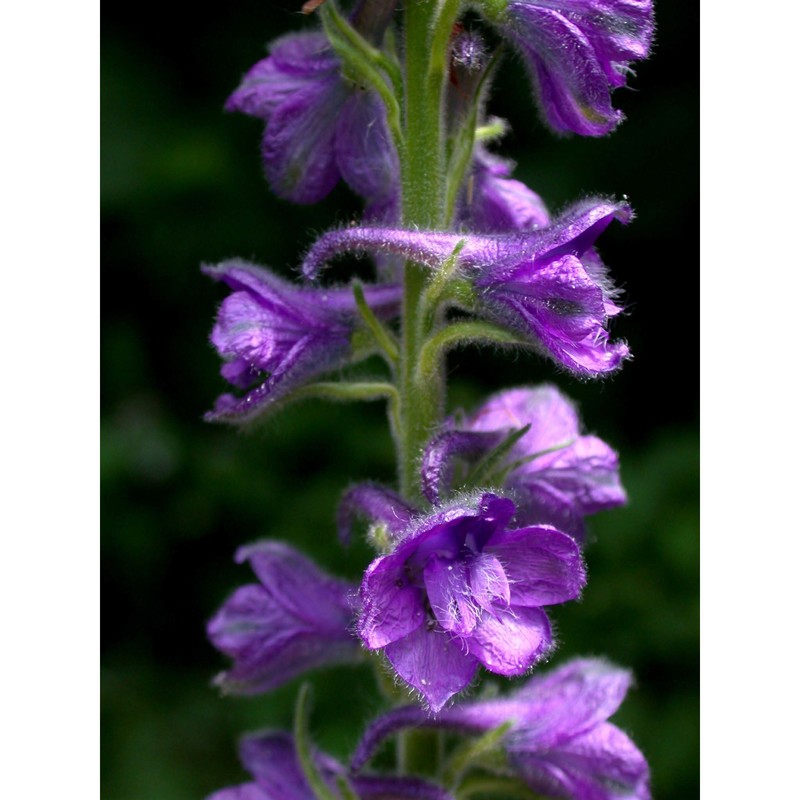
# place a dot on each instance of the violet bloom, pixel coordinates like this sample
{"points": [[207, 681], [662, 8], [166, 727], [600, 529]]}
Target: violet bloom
{"points": [[576, 53], [272, 760], [463, 587], [557, 475], [297, 618], [496, 203], [274, 336], [547, 285], [560, 742], [321, 127]]}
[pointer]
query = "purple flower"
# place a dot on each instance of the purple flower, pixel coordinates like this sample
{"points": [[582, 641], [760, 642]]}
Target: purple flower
{"points": [[557, 475], [547, 285], [497, 203], [296, 619], [274, 336], [463, 587], [320, 127], [272, 761], [560, 741], [577, 52]]}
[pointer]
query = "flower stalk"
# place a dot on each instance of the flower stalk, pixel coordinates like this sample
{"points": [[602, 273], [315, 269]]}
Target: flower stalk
{"points": [[484, 530]]}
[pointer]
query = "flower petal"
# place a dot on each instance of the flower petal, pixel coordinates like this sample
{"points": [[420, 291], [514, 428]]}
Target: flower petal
{"points": [[500, 204], [293, 62], [437, 460], [298, 620], [572, 699], [272, 760], [488, 581], [577, 52], [433, 663], [543, 565], [509, 642], [392, 607], [449, 594], [365, 153], [601, 764], [298, 147]]}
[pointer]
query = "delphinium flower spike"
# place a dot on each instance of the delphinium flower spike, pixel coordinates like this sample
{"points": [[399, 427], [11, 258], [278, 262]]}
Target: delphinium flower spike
{"points": [[485, 529]]}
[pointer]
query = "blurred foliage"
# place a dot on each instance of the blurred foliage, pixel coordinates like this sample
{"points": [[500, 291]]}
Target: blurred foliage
{"points": [[182, 185]]}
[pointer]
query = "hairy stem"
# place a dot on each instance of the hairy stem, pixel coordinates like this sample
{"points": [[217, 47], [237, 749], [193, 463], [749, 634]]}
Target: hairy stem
{"points": [[422, 167]]}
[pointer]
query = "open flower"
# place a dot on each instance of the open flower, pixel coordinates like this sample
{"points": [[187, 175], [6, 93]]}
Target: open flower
{"points": [[274, 336], [559, 742], [271, 759], [464, 587], [321, 127], [547, 285], [558, 475], [576, 53], [295, 619]]}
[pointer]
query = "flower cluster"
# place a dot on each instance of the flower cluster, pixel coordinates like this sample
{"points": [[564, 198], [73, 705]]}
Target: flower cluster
{"points": [[487, 527]]}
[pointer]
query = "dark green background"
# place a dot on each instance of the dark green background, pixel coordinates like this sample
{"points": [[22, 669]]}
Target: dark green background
{"points": [[182, 185]]}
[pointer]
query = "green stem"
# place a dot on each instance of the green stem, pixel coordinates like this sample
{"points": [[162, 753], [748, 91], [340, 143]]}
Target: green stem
{"points": [[302, 745], [432, 352], [422, 171]]}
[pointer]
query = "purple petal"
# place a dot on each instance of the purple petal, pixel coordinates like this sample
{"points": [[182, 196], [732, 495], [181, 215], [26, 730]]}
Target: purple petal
{"points": [[499, 203], [553, 418], [539, 504], [579, 226], [509, 642], [275, 335], [571, 700], [543, 565], [560, 305], [299, 584], [365, 152], [437, 460], [433, 663], [376, 503], [299, 619], [577, 52], [601, 764], [294, 62], [392, 607], [272, 760], [299, 143], [488, 581], [571, 86], [586, 474], [559, 476], [449, 594]]}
